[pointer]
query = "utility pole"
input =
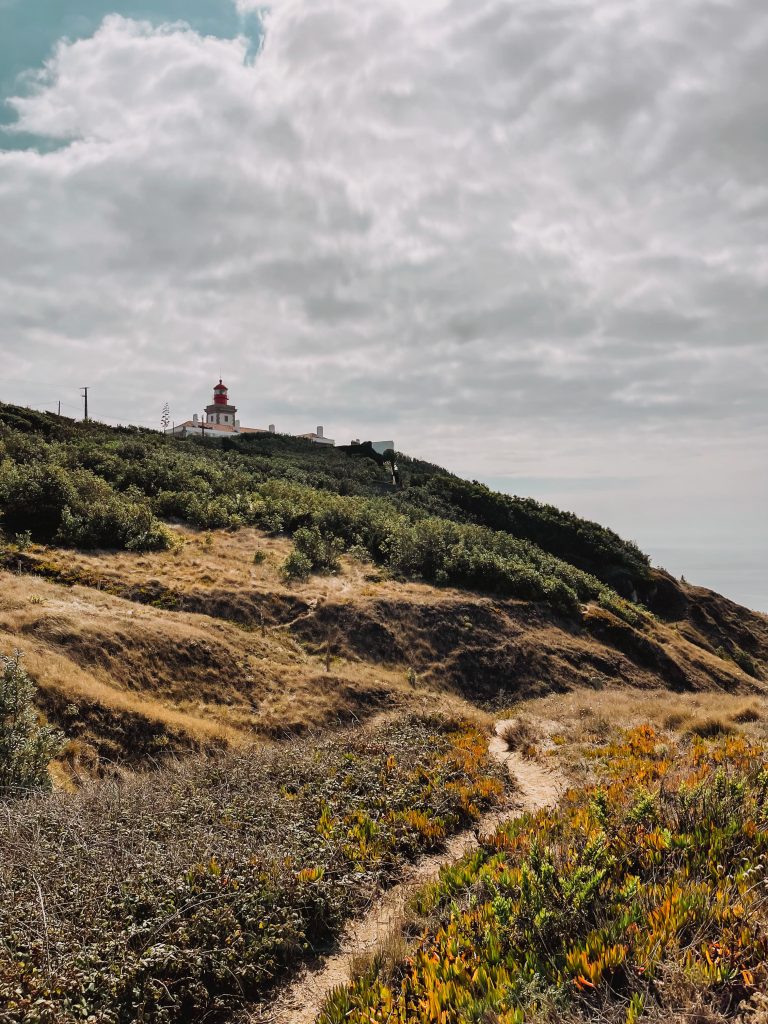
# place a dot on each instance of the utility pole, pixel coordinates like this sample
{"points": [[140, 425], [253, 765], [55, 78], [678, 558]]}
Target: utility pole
{"points": [[203, 426], [59, 412], [84, 392]]}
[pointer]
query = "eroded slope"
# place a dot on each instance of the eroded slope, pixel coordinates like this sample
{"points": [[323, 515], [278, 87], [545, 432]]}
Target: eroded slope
{"points": [[138, 653]]}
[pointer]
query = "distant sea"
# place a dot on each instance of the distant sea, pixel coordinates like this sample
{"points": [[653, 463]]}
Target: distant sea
{"points": [[740, 573], [714, 545]]}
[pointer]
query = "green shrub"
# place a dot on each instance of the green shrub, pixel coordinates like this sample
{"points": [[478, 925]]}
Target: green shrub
{"points": [[93, 486], [583, 543], [297, 566], [632, 614], [75, 507], [741, 658], [23, 540], [358, 553], [321, 549], [745, 661], [113, 523], [33, 498], [26, 746]]}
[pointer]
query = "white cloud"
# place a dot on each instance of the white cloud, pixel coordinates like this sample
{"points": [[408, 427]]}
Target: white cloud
{"points": [[485, 228]]}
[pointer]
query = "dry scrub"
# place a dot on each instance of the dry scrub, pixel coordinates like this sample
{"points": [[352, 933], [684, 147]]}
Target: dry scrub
{"points": [[175, 896], [198, 646], [519, 734]]}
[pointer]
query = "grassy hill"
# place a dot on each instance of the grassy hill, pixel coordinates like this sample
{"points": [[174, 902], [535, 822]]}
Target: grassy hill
{"points": [[275, 674], [87, 485], [174, 595]]}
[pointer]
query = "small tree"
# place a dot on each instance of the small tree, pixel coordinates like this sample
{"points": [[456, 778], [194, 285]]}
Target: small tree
{"points": [[165, 419], [26, 746]]}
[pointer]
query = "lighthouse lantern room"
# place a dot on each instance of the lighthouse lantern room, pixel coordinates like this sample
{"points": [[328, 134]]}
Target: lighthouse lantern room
{"points": [[220, 411]]}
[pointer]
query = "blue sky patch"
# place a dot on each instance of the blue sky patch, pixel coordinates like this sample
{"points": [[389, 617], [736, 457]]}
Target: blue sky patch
{"points": [[30, 29]]}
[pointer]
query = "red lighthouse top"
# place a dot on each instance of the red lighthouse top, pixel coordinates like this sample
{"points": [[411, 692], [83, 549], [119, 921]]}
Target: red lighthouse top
{"points": [[220, 396]]}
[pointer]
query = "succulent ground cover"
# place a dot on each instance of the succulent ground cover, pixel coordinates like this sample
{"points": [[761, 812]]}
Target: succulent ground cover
{"points": [[177, 895], [641, 897]]}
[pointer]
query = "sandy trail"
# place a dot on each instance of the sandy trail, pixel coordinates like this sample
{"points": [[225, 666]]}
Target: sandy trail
{"points": [[302, 1000]]}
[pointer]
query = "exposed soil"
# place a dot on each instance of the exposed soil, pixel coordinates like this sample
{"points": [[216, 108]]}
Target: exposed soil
{"points": [[483, 647], [168, 651]]}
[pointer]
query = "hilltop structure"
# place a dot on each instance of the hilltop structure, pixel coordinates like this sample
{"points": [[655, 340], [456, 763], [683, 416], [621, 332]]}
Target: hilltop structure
{"points": [[378, 446], [220, 411], [317, 436], [220, 420]]}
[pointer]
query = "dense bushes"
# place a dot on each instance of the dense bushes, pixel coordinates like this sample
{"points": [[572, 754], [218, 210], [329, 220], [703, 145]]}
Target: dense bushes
{"points": [[33, 497], [75, 508], [176, 896], [91, 486], [321, 549], [26, 745], [645, 893], [297, 566], [592, 547], [437, 550]]}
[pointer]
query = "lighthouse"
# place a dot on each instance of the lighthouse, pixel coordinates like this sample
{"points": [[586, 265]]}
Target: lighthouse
{"points": [[220, 411], [220, 421]]}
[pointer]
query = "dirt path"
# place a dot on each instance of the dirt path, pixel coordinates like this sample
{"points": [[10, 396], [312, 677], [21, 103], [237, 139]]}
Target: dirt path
{"points": [[538, 786], [301, 1002]]}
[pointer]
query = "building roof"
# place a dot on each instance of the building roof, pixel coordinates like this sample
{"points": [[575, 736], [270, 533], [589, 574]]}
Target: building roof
{"points": [[221, 428], [312, 436]]}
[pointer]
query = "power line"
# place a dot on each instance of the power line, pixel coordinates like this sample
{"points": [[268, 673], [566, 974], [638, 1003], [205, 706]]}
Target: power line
{"points": [[119, 420], [67, 407]]}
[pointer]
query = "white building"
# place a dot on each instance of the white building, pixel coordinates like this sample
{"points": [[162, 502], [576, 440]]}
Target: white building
{"points": [[317, 436], [383, 446], [220, 420]]}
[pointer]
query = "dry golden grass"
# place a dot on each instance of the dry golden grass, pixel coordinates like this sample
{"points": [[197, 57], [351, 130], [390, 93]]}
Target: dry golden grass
{"points": [[518, 734], [674, 720], [186, 675], [625, 706], [210, 558], [321, 652], [708, 728], [749, 713], [568, 724], [222, 559]]}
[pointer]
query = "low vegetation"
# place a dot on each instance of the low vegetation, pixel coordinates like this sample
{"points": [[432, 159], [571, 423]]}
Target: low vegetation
{"points": [[176, 896], [641, 897]]}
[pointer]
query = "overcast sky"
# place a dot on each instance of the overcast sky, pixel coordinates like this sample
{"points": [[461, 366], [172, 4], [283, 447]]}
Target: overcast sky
{"points": [[527, 239]]}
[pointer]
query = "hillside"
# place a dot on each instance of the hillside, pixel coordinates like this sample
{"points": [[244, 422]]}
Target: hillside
{"points": [[171, 595], [277, 677]]}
